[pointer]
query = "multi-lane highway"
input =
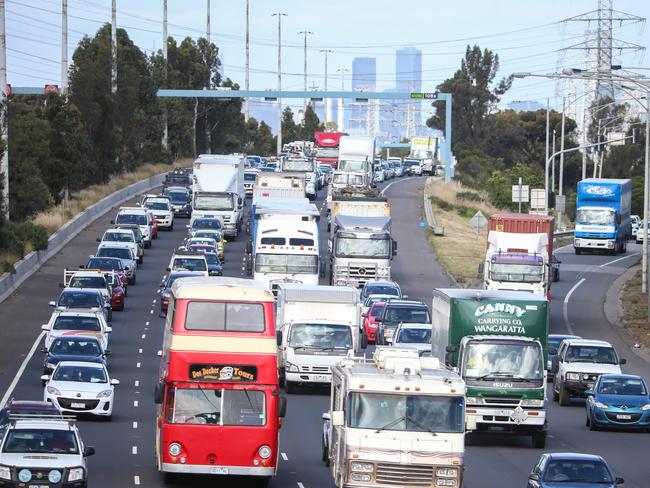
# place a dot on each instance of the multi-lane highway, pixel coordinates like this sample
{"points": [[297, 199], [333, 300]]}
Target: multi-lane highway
{"points": [[125, 446]]}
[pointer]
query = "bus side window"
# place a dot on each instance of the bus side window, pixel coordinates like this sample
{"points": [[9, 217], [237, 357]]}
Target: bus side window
{"points": [[169, 405]]}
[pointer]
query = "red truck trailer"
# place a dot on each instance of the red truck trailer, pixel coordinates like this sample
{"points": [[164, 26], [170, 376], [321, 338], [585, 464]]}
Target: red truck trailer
{"points": [[327, 147]]}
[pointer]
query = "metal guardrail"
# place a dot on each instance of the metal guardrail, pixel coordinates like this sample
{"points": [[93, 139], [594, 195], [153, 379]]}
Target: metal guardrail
{"points": [[558, 235]]}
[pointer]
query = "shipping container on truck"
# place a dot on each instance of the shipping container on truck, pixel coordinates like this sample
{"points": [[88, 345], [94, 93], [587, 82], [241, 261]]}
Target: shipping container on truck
{"points": [[519, 253]]}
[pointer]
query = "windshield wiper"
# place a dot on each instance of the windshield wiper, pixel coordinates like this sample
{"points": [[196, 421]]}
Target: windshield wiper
{"points": [[418, 424], [333, 348], [496, 373], [391, 423]]}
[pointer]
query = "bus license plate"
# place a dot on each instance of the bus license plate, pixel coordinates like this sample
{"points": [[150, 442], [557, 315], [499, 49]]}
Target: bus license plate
{"points": [[78, 405], [624, 417], [218, 470]]}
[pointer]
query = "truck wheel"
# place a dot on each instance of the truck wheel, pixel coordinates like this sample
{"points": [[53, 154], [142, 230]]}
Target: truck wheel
{"points": [[538, 438], [289, 387], [565, 397], [324, 454], [577, 250]]}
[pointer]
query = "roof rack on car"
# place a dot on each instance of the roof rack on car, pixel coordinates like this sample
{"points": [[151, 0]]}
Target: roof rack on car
{"points": [[71, 419]]}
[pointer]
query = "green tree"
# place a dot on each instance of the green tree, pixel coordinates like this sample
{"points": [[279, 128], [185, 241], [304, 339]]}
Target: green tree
{"points": [[311, 123], [290, 130]]}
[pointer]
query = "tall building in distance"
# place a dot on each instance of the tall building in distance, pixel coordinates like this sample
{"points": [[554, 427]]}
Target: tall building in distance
{"points": [[363, 116], [408, 78]]}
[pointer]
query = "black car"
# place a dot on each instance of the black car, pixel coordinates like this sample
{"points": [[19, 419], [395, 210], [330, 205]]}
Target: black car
{"points": [[181, 200], [28, 408], [396, 312], [73, 348]]}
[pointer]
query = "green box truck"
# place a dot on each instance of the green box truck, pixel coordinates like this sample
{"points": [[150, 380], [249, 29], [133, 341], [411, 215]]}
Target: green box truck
{"points": [[497, 342]]}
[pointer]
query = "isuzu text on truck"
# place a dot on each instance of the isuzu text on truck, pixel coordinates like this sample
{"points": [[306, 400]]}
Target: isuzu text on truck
{"points": [[497, 342], [519, 253], [603, 215]]}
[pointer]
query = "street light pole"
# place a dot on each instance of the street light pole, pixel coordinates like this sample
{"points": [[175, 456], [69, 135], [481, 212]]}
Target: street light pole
{"points": [[326, 101], [279, 15], [646, 193]]}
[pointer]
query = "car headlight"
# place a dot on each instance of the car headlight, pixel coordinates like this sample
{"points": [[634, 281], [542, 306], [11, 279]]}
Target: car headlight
{"points": [[104, 394], [24, 475], [292, 368], [362, 467], [447, 472], [174, 449], [474, 400], [54, 476], [5, 473], [600, 405], [573, 376], [76, 474], [264, 452], [646, 407], [532, 403], [53, 391]]}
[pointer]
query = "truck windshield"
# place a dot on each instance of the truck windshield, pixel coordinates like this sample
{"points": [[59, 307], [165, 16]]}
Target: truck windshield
{"points": [[513, 268], [320, 336], [286, 263], [347, 165], [213, 202], [490, 361], [327, 152], [362, 248], [347, 179], [411, 413], [421, 154], [41, 441], [298, 165], [600, 216]]}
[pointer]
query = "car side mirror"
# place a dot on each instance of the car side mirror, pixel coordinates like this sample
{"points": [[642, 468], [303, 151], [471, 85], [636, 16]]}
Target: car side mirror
{"points": [[589, 392], [89, 451], [126, 268], [623, 361], [364, 341], [109, 330], [61, 285], [278, 337], [158, 393], [168, 269], [470, 423], [619, 480], [82, 266], [451, 348], [113, 222], [98, 240], [282, 408], [45, 327], [107, 352], [394, 248], [115, 382], [162, 284], [364, 315], [533, 477], [481, 269], [43, 350], [338, 418], [45, 377]]}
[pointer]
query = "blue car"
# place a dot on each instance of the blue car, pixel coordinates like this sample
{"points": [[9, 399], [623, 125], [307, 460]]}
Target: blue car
{"points": [[554, 341], [73, 348], [618, 401], [572, 470], [214, 265]]}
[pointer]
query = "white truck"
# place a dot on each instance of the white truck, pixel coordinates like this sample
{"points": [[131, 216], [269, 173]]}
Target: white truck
{"points": [[317, 327], [284, 245], [425, 149], [361, 249], [354, 167], [218, 190], [395, 420], [358, 203], [279, 185], [305, 167]]}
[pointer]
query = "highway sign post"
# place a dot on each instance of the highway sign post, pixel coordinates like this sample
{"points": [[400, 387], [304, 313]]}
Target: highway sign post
{"points": [[478, 222], [538, 199]]}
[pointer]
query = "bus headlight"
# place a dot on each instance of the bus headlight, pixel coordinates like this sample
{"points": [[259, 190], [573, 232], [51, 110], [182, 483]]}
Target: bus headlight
{"points": [[360, 477], [447, 472], [445, 482], [174, 449], [363, 467], [264, 452]]}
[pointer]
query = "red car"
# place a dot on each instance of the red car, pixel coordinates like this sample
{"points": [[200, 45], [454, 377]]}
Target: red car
{"points": [[118, 291], [370, 321]]}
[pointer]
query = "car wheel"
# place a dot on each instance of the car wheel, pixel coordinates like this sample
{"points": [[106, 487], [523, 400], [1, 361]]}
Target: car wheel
{"points": [[147, 244], [592, 425], [538, 439], [587, 420], [289, 387], [565, 397]]}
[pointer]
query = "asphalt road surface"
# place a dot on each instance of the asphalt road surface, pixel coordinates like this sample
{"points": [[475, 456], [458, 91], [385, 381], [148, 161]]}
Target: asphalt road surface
{"points": [[125, 447]]}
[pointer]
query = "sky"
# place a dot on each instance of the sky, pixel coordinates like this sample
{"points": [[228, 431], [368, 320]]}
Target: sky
{"points": [[527, 35]]}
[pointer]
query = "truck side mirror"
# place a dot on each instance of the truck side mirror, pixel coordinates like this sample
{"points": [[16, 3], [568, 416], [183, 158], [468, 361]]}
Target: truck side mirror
{"points": [[452, 348], [394, 248], [622, 361], [338, 419], [470, 423], [278, 337], [158, 393]]}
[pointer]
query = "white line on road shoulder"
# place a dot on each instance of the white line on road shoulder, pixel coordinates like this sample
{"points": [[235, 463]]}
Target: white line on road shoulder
{"points": [[393, 182], [284, 456], [619, 259], [134, 450], [146, 323], [137, 365], [154, 302], [140, 351], [300, 485], [136, 480], [21, 370], [144, 335], [565, 310], [151, 312], [135, 403], [136, 383], [135, 425]]}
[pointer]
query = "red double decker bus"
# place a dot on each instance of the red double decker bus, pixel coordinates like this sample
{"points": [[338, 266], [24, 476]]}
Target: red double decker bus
{"points": [[219, 400]]}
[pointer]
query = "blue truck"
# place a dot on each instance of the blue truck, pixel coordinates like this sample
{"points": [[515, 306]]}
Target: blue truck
{"points": [[603, 215]]}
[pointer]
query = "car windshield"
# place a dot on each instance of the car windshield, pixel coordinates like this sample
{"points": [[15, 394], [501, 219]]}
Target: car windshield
{"points": [[298, 165], [70, 299], [190, 264], [381, 290], [286, 263], [178, 180], [577, 471], [376, 310], [213, 202], [178, 197], [210, 235], [115, 252], [128, 218], [622, 386], [414, 315], [595, 216], [411, 413], [206, 224], [118, 237], [239, 407], [40, 441], [104, 264], [77, 323], [590, 354], [414, 336], [156, 205], [87, 282], [320, 336], [347, 247], [173, 277], [212, 258], [502, 360], [80, 374], [250, 176], [75, 347]]}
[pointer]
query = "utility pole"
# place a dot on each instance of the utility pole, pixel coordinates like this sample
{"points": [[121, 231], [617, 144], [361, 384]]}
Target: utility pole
{"points": [[279, 15], [305, 33], [206, 118], [561, 177], [548, 134], [247, 110], [114, 47], [341, 117], [4, 119], [64, 46], [326, 101], [207, 24], [553, 165], [165, 139]]}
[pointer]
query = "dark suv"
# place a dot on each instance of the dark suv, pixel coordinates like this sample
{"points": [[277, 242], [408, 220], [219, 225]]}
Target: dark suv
{"points": [[400, 312]]}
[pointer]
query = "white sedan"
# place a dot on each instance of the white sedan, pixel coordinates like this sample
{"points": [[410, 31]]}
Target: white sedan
{"points": [[80, 387]]}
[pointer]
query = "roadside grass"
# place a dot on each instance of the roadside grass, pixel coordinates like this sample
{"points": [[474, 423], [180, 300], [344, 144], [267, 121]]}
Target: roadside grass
{"points": [[635, 310], [460, 250]]}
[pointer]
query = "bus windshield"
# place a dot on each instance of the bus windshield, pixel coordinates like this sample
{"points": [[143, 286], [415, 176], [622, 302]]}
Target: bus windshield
{"points": [[216, 407]]}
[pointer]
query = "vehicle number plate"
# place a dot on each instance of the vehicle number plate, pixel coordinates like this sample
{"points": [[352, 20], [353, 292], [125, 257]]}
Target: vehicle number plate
{"points": [[78, 405], [38, 486], [624, 417], [218, 470], [322, 378], [502, 413]]}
